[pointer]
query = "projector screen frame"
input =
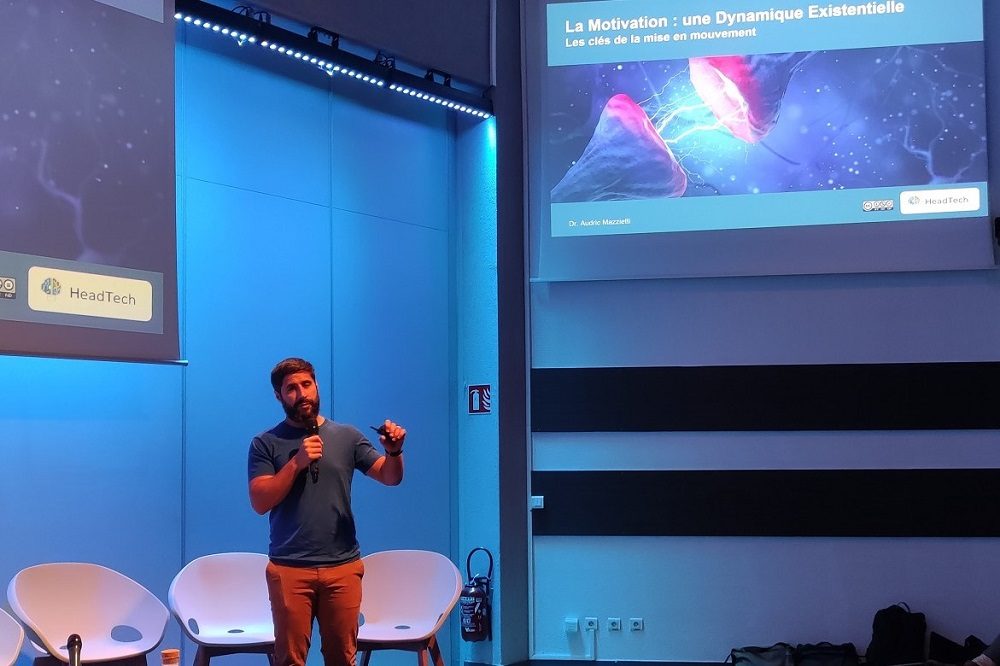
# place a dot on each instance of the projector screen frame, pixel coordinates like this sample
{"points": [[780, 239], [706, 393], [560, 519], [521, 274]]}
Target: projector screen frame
{"points": [[940, 244]]}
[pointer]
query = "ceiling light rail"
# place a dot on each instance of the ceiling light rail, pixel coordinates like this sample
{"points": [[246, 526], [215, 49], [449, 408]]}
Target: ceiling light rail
{"points": [[321, 49]]}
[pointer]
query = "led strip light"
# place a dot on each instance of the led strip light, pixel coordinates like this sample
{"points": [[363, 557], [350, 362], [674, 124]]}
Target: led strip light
{"points": [[245, 30]]}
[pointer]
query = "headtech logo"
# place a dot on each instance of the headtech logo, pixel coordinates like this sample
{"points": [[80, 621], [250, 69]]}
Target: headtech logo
{"points": [[89, 294], [8, 287], [947, 200], [51, 286]]}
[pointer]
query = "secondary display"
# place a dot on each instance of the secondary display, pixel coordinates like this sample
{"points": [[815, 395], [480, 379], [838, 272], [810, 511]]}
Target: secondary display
{"points": [[657, 117]]}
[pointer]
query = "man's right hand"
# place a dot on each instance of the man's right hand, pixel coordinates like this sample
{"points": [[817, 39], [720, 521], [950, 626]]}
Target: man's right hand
{"points": [[311, 449], [267, 491]]}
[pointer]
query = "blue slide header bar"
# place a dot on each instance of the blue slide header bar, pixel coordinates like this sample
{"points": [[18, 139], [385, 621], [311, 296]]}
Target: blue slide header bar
{"points": [[642, 30]]}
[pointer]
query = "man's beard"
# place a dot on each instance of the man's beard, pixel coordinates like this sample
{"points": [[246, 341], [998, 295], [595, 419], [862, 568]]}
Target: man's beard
{"points": [[303, 410]]}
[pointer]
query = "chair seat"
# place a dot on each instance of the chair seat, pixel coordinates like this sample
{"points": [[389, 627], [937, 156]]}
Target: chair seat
{"points": [[221, 603], [104, 649], [396, 630], [116, 617], [224, 635], [100, 648], [407, 596]]}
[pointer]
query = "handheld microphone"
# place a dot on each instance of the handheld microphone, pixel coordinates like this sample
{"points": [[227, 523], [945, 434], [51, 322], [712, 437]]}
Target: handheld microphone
{"points": [[73, 645], [312, 427]]}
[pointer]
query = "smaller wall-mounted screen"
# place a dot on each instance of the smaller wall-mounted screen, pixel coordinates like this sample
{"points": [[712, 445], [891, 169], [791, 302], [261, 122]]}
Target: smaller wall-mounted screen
{"points": [[88, 263], [690, 116]]}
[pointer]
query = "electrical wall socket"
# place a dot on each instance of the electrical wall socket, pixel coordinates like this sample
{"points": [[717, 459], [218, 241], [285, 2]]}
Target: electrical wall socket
{"points": [[590, 624], [636, 624], [571, 624], [614, 624]]}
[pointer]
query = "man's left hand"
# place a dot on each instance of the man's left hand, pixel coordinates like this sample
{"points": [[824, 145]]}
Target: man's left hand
{"points": [[392, 441]]}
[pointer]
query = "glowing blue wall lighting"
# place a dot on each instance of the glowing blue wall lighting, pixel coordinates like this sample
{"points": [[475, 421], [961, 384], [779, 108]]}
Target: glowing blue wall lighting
{"points": [[257, 30]]}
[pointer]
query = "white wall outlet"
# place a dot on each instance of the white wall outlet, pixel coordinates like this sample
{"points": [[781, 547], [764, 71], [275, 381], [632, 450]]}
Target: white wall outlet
{"points": [[614, 624], [636, 624], [590, 624]]}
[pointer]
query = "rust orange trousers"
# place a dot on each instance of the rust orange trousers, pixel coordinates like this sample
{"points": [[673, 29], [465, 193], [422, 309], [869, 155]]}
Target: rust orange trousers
{"points": [[329, 595]]}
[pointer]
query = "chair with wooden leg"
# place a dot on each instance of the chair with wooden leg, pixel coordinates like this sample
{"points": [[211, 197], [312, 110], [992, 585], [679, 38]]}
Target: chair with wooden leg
{"points": [[406, 598], [221, 603], [117, 619]]}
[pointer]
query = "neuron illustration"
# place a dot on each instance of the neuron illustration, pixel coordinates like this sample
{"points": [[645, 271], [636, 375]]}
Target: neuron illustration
{"points": [[784, 122]]}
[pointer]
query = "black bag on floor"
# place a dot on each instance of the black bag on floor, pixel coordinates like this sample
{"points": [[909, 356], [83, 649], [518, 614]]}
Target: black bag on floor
{"points": [[826, 654], [897, 637], [946, 651], [779, 654], [974, 646]]}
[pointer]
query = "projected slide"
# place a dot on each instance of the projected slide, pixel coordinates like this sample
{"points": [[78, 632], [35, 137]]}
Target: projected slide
{"points": [[694, 115], [87, 233]]}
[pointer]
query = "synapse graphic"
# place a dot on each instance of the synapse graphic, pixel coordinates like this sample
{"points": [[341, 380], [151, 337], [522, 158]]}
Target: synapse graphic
{"points": [[624, 141], [784, 122]]}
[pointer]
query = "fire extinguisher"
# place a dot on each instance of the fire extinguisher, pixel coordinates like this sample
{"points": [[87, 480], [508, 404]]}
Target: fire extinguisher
{"points": [[475, 602]]}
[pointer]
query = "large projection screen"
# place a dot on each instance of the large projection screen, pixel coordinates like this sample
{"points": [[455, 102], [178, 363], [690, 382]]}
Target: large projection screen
{"points": [[743, 137], [88, 262]]}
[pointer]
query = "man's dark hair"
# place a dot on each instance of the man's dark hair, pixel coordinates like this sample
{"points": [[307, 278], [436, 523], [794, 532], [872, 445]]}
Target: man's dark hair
{"points": [[289, 367]]}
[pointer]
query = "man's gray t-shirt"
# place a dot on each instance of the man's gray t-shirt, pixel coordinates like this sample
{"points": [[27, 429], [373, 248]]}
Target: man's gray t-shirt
{"points": [[313, 525]]}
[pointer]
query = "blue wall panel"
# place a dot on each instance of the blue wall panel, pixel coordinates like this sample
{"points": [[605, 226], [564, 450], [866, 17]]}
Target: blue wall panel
{"points": [[143, 467], [93, 467], [477, 450], [250, 120], [257, 291], [702, 596], [389, 158], [390, 333], [866, 318], [391, 360], [360, 287]]}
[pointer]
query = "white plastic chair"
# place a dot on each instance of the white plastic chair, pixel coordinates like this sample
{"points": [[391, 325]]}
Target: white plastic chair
{"points": [[11, 638], [406, 597], [222, 605], [116, 617]]}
